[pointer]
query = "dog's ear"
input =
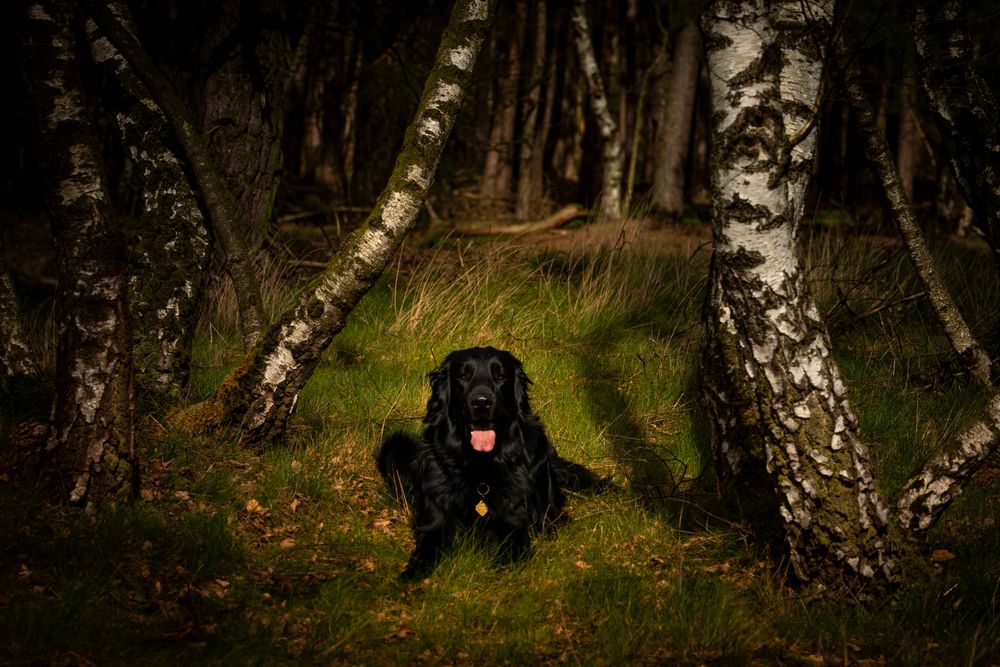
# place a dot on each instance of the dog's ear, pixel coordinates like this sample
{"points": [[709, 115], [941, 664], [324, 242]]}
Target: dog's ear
{"points": [[437, 404], [521, 382]]}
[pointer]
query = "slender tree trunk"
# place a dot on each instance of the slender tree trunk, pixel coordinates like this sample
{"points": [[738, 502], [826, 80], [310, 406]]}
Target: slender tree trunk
{"points": [[170, 247], [527, 190], [639, 126], [260, 394], [782, 425], [970, 353], [964, 108], [90, 448], [907, 137], [214, 191], [674, 135], [611, 194]]}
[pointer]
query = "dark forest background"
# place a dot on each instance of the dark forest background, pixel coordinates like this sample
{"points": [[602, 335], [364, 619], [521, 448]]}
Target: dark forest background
{"points": [[331, 86]]}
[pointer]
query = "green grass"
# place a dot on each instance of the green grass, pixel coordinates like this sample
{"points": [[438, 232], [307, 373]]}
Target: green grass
{"points": [[290, 554]]}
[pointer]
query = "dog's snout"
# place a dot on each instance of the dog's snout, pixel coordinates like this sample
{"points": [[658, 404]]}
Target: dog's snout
{"points": [[481, 402]]}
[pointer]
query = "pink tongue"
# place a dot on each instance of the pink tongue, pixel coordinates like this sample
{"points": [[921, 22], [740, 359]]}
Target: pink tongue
{"points": [[483, 441]]}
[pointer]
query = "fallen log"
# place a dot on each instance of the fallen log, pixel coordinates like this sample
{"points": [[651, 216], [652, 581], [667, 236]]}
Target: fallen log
{"points": [[563, 216]]}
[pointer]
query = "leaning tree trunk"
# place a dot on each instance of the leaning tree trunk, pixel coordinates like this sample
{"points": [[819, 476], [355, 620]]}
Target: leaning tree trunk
{"points": [[674, 135], [782, 424], [611, 158], [90, 448], [970, 353], [964, 107], [261, 392], [171, 243], [214, 190]]}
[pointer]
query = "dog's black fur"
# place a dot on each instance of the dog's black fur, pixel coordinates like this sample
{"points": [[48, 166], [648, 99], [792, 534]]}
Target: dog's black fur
{"points": [[512, 467]]}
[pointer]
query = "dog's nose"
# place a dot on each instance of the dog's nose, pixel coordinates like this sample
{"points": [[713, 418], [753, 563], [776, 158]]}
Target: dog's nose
{"points": [[481, 402]]}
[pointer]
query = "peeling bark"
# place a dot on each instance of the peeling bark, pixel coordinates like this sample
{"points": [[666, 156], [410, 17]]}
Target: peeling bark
{"points": [[782, 425], [970, 353], [90, 448], [215, 192], [928, 493], [611, 157], [171, 244], [260, 394], [964, 107]]}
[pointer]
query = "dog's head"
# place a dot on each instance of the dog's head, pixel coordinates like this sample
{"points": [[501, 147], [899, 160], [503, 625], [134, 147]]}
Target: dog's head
{"points": [[481, 391]]}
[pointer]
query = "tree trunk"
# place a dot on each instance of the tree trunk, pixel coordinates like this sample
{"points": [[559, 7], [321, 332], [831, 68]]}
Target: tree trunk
{"points": [[782, 424], [260, 394], [611, 194], [970, 353], [964, 108], [242, 107], [214, 191], [674, 135], [90, 448], [15, 355], [907, 136], [528, 190], [170, 247], [499, 172]]}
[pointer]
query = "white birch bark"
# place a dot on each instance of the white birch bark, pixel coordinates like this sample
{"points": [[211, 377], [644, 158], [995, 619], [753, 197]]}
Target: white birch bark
{"points": [[782, 423], [611, 157], [928, 493], [90, 447], [171, 246]]}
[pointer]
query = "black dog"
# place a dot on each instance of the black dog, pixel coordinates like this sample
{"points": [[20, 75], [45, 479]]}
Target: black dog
{"points": [[483, 463]]}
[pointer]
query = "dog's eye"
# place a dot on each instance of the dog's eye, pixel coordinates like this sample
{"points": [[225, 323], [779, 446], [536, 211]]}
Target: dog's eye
{"points": [[499, 376]]}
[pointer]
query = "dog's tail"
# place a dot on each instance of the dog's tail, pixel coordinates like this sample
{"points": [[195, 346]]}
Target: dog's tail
{"points": [[576, 477], [395, 460]]}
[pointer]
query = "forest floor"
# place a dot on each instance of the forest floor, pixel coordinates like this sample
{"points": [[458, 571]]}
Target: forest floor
{"points": [[290, 554]]}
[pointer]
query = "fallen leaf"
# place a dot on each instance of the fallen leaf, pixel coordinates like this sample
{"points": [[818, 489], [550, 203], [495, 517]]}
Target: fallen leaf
{"points": [[942, 556], [582, 564], [287, 543]]}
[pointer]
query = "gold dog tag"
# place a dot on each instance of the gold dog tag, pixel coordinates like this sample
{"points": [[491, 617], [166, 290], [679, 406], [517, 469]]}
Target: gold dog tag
{"points": [[481, 508]]}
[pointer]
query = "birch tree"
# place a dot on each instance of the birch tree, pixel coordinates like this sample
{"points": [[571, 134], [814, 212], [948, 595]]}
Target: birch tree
{"points": [[784, 431], [90, 448], [611, 157], [260, 394], [171, 244]]}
